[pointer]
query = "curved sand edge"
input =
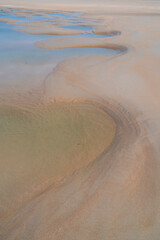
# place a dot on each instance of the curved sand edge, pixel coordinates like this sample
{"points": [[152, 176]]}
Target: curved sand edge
{"points": [[78, 42], [92, 130], [92, 178]]}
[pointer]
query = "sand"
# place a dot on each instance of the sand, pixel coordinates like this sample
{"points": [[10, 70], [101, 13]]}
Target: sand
{"points": [[117, 196], [48, 143], [46, 28], [7, 20], [125, 6]]}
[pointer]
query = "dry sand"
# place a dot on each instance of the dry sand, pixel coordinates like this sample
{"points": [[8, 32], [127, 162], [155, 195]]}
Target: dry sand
{"points": [[117, 196], [125, 6]]}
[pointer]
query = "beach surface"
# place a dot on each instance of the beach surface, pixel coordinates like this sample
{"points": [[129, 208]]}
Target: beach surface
{"points": [[80, 120]]}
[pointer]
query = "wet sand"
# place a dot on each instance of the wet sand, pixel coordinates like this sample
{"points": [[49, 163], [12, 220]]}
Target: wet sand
{"points": [[7, 20], [115, 194], [41, 145]]}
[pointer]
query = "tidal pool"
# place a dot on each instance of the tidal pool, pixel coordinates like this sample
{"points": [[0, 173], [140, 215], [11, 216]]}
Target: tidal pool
{"points": [[42, 144]]}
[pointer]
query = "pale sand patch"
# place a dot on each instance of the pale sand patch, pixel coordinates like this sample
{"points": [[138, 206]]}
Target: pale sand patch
{"points": [[8, 20], [117, 6]]}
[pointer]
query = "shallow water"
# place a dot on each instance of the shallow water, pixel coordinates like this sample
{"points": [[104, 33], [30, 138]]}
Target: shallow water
{"points": [[12, 16], [20, 59], [37, 16], [42, 143]]}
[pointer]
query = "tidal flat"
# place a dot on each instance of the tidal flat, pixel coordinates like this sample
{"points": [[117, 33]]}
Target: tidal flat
{"points": [[44, 139], [79, 120]]}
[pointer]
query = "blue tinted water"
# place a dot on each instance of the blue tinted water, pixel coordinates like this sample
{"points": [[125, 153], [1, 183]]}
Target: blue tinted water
{"points": [[16, 45], [19, 56], [9, 37], [12, 16]]}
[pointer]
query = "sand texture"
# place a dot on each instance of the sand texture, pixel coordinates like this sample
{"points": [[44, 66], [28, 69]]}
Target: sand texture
{"points": [[7, 20], [46, 28], [86, 147]]}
